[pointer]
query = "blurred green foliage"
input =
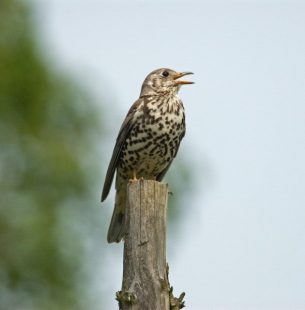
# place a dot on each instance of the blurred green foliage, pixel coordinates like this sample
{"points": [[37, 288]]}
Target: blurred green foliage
{"points": [[47, 132]]}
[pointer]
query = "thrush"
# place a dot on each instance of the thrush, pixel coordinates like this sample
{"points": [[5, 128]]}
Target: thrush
{"points": [[148, 140]]}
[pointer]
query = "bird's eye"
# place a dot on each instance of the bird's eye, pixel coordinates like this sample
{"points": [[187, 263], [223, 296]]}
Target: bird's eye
{"points": [[165, 73]]}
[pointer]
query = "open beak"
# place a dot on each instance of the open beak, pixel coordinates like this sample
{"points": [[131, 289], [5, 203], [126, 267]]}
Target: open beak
{"points": [[181, 74]]}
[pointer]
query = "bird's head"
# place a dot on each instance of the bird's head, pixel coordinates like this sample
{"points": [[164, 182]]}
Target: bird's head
{"points": [[163, 81]]}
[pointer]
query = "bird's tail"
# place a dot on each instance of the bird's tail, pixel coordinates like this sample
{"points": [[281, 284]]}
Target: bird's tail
{"points": [[116, 229]]}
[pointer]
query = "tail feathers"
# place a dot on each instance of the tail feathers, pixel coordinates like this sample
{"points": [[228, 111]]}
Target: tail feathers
{"points": [[116, 229]]}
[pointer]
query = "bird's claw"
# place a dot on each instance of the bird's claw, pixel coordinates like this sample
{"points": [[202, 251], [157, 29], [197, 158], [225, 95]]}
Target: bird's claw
{"points": [[133, 180], [134, 177]]}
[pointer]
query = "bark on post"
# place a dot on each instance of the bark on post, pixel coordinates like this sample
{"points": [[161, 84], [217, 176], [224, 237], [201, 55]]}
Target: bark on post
{"points": [[145, 282]]}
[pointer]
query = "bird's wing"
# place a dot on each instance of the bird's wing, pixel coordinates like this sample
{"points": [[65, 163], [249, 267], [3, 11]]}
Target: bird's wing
{"points": [[161, 175], [123, 133]]}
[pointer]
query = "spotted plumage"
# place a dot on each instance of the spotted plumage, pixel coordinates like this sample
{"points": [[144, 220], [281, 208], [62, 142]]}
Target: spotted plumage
{"points": [[148, 140]]}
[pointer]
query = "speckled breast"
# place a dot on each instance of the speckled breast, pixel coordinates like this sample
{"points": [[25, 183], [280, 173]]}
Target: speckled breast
{"points": [[154, 138]]}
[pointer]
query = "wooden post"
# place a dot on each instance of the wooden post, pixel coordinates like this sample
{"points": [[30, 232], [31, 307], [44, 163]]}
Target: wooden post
{"points": [[145, 273]]}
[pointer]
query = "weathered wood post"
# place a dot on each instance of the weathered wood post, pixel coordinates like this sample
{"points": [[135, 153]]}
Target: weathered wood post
{"points": [[145, 275]]}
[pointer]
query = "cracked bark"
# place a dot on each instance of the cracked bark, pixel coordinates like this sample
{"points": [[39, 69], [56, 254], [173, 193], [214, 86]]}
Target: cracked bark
{"points": [[145, 283]]}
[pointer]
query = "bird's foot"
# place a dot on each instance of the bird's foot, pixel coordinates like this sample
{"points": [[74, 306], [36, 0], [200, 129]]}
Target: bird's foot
{"points": [[134, 178]]}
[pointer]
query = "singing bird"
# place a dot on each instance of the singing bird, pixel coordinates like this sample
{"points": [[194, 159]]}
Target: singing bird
{"points": [[148, 140]]}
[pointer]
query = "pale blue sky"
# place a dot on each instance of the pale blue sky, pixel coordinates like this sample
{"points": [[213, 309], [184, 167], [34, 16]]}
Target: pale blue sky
{"points": [[243, 240]]}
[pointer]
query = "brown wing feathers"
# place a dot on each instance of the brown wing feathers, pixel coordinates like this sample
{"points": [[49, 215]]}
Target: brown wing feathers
{"points": [[123, 133]]}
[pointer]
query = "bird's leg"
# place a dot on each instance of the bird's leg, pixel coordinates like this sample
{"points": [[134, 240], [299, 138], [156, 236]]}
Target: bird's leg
{"points": [[134, 177]]}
